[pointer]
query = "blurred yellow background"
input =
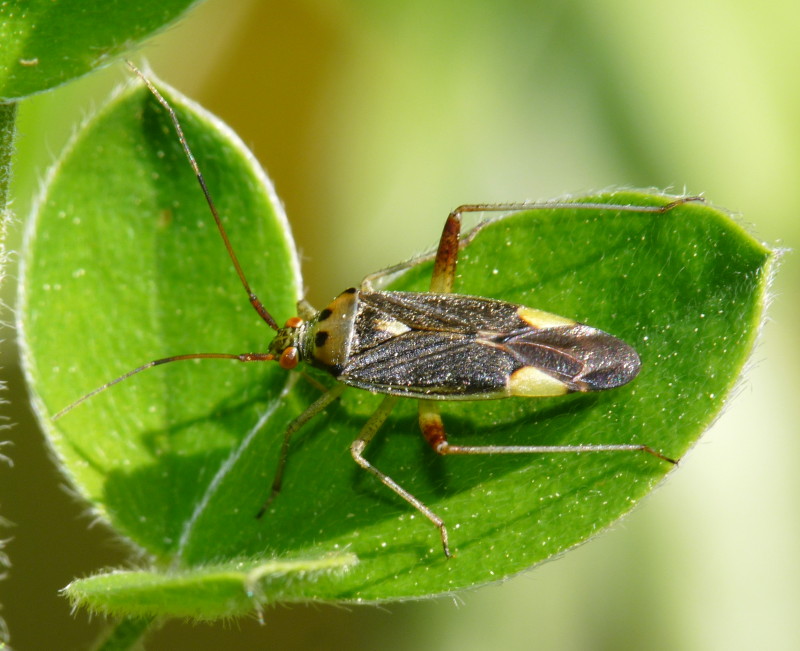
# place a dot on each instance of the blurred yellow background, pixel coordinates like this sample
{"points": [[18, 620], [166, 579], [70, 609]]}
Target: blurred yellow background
{"points": [[374, 119]]}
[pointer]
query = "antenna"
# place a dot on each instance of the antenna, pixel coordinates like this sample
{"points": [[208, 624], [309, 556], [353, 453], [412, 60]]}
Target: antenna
{"points": [[254, 300], [244, 357]]}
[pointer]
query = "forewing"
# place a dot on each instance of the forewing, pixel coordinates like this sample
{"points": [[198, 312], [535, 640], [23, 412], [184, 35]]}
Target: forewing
{"points": [[431, 364], [450, 346], [445, 312]]}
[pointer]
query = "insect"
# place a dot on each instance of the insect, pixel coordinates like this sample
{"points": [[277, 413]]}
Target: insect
{"points": [[430, 346]]}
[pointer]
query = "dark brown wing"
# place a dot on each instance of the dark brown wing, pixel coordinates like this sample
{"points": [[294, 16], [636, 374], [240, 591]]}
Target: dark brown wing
{"points": [[583, 358], [443, 312], [450, 346]]}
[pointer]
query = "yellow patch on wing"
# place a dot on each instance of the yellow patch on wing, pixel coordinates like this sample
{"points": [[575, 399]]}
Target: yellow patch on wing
{"points": [[540, 319], [393, 327], [530, 382]]}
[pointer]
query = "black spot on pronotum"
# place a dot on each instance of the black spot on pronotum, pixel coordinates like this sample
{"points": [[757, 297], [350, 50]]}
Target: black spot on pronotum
{"points": [[349, 290], [320, 338]]}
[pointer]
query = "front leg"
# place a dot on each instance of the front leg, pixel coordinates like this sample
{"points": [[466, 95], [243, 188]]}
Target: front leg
{"points": [[312, 410]]}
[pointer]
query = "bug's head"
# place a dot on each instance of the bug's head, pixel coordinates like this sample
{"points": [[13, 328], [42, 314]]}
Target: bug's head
{"points": [[285, 346]]}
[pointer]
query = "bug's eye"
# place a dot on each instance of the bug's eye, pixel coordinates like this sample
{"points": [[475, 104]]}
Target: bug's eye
{"points": [[293, 322], [289, 358]]}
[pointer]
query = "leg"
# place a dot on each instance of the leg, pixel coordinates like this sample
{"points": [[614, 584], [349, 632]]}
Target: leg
{"points": [[433, 430], [574, 204], [357, 450], [378, 279], [434, 433], [445, 259], [444, 266], [444, 269], [305, 310], [315, 408], [314, 382]]}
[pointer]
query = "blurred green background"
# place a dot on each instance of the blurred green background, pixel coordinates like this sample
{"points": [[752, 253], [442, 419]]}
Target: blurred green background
{"points": [[381, 117]]}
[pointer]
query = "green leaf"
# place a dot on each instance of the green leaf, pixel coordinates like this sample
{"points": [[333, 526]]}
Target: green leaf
{"points": [[126, 265], [47, 43], [123, 265], [223, 590]]}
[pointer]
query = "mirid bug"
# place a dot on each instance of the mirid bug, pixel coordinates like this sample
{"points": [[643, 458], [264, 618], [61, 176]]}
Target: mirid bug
{"points": [[431, 346]]}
